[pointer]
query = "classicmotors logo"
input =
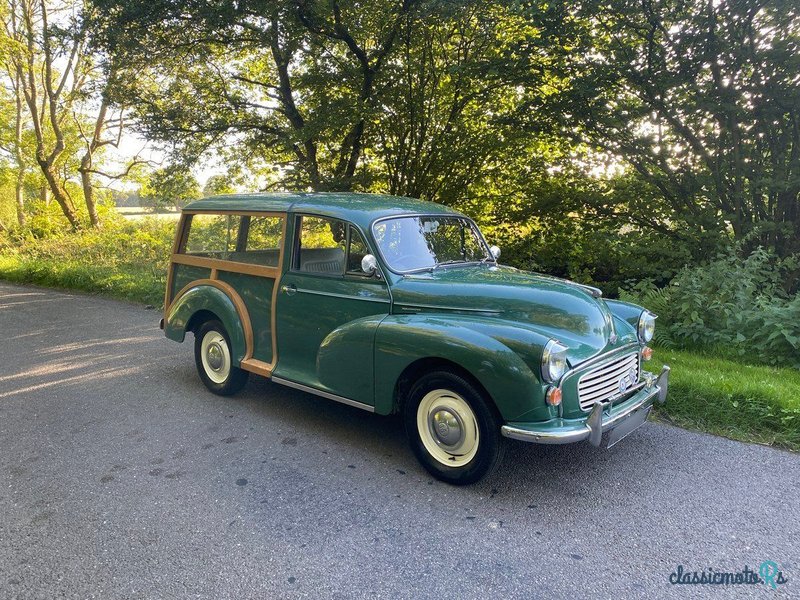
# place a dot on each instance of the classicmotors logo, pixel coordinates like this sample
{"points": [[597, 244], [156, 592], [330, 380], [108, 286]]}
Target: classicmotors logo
{"points": [[768, 574]]}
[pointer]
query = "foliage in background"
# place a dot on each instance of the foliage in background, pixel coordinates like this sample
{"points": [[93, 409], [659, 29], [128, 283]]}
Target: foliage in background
{"points": [[170, 186], [124, 259], [736, 307], [700, 98]]}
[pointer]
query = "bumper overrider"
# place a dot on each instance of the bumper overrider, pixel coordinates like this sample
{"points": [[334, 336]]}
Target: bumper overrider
{"points": [[603, 417]]}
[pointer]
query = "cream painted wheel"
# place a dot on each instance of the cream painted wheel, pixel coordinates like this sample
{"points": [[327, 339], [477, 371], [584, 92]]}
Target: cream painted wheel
{"points": [[448, 428], [216, 356]]}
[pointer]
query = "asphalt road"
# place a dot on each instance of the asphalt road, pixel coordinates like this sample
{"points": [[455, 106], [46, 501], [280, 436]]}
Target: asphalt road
{"points": [[121, 477]]}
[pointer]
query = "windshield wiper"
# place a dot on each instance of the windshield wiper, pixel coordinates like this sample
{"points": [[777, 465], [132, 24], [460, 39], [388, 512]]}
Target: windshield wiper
{"points": [[447, 262]]}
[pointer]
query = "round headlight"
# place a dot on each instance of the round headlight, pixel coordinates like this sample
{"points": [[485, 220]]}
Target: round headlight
{"points": [[554, 361], [647, 326]]}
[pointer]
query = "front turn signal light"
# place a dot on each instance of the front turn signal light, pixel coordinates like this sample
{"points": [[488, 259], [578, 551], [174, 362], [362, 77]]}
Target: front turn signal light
{"points": [[647, 353], [553, 396]]}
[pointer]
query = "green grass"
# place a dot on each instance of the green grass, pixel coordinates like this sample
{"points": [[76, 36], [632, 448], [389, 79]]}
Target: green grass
{"points": [[125, 260], [751, 403], [126, 282]]}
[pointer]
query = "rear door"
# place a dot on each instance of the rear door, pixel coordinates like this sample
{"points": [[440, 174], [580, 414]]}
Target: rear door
{"points": [[328, 310]]}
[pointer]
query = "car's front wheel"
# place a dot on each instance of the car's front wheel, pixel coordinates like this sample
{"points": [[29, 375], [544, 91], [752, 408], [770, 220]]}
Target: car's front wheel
{"points": [[213, 357], [453, 429]]}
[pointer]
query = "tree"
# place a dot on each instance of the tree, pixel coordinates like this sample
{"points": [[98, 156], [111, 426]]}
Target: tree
{"points": [[298, 79], [218, 185], [170, 185], [700, 98], [60, 92]]}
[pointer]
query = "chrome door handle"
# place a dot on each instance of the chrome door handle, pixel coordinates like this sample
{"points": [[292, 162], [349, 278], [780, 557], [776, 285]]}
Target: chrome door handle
{"points": [[289, 290]]}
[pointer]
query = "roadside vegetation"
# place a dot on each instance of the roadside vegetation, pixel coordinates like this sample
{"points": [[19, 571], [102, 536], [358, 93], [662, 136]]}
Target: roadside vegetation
{"points": [[730, 390], [732, 398], [124, 259]]}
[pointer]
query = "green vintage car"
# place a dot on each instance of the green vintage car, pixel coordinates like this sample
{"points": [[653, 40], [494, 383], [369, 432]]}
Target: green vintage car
{"points": [[397, 305]]}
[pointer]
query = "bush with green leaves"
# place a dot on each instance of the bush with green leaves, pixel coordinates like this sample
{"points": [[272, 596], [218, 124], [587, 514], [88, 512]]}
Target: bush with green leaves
{"points": [[125, 259], [736, 306]]}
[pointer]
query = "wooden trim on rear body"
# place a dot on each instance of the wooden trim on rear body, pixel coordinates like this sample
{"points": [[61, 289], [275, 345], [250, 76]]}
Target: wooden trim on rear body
{"points": [[248, 363]]}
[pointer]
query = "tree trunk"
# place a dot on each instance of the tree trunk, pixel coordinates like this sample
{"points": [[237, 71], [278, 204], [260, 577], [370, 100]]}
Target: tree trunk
{"points": [[19, 193], [19, 159], [86, 162], [60, 195], [88, 190]]}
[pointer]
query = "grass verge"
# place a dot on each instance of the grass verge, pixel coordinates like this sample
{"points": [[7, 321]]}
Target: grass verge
{"points": [[750, 403], [125, 260]]}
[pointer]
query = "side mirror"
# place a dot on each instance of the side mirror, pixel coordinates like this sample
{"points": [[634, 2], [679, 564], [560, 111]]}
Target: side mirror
{"points": [[495, 250], [369, 264]]}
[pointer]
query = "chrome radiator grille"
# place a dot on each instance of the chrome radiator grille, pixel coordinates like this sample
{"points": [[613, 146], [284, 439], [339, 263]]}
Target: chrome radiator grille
{"points": [[604, 382]]}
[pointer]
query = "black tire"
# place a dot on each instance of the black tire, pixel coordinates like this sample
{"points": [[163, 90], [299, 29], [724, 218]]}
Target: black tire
{"points": [[489, 441], [231, 379]]}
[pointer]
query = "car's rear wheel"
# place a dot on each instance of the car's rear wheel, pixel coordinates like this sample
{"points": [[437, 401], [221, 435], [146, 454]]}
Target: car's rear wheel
{"points": [[213, 357], [452, 428]]}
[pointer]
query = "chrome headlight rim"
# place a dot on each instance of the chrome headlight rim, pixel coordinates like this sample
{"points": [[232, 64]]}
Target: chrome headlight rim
{"points": [[646, 326], [554, 361]]}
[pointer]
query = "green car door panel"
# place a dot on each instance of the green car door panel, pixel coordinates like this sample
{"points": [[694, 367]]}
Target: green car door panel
{"points": [[477, 345], [325, 327], [210, 299]]}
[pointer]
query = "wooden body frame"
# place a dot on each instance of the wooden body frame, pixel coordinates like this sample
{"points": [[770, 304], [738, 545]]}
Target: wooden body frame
{"points": [[216, 266]]}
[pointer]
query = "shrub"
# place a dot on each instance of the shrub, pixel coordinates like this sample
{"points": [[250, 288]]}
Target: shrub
{"points": [[736, 306]]}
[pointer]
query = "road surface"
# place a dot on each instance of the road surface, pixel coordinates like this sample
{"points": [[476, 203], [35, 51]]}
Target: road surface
{"points": [[122, 477]]}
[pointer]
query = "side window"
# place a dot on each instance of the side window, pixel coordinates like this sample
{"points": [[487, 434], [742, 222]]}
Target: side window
{"points": [[356, 252], [320, 245], [213, 236], [259, 241]]}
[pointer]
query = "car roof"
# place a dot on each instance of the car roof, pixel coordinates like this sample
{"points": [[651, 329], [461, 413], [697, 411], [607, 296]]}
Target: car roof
{"points": [[361, 209]]}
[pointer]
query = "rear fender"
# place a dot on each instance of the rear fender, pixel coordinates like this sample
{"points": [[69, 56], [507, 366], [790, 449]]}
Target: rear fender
{"points": [[219, 299]]}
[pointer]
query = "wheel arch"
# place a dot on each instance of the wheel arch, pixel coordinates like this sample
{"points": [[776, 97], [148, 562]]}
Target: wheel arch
{"points": [[405, 345], [431, 364], [204, 299]]}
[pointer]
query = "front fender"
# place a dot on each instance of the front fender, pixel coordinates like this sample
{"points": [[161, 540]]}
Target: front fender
{"points": [[486, 347], [214, 299], [626, 311]]}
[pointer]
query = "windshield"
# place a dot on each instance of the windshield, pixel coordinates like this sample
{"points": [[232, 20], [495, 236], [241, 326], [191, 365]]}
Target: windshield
{"points": [[418, 243]]}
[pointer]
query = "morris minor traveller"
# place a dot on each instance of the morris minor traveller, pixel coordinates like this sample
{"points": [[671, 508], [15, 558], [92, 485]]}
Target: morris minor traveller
{"points": [[396, 305]]}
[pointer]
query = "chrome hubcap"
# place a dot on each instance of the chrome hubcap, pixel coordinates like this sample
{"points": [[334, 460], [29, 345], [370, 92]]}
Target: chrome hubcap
{"points": [[446, 427], [215, 357]]}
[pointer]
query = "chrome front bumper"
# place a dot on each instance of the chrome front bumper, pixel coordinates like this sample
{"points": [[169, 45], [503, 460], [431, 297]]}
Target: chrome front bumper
{"points": [[602, 418]]}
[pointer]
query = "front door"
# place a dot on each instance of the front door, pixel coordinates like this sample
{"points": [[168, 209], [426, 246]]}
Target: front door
{"points": [[328, 310]]}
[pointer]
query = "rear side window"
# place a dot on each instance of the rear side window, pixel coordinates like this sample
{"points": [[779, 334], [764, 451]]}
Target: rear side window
{"points": [[213, 236], [247, 239]]}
